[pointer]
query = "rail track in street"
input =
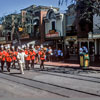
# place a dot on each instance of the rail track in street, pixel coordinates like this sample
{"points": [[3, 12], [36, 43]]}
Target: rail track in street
{"points": [[72, 76], [45, 86]]}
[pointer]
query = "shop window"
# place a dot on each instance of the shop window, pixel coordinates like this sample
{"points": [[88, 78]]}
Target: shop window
{"points": [[73, 47], [9, 36], [91, 48]]}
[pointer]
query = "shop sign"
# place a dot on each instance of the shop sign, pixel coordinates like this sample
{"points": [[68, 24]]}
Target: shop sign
{"points": [[20, 29], [2, 39], [96, 36], [2, 42], [71, 38], [52, 33]]}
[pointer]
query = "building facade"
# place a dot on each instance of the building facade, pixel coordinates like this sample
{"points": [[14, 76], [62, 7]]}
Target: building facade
{"points": [[71, 43], [95, 35], [33, 17], [55, 28]]}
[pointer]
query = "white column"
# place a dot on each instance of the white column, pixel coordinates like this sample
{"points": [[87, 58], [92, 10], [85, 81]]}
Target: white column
{"points": [[99, 46], [88, 45], [95, 46]]}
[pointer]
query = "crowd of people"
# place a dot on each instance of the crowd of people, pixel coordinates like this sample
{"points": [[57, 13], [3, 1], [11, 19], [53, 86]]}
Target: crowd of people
{"points": [[26, 56]]}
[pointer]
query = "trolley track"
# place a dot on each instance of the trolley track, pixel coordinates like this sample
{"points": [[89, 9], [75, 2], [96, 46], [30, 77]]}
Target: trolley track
{"points": [[72, 76], [44, 83], [32, 86]]}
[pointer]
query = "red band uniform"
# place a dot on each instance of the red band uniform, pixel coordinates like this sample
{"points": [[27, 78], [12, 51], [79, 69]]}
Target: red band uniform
{"points": [[32, 53], [42, 57], [8, 59]]}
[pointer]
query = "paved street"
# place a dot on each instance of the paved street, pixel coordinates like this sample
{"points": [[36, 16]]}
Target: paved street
{"points": [[52, 82]]}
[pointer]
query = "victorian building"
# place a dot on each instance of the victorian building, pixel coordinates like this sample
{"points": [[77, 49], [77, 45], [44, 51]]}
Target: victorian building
{"points": [[95, 36], [32, 18], [71, 43], [55, 28]]}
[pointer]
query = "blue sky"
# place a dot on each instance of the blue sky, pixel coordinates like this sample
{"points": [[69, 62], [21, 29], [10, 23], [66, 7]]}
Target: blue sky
{"points": [[10, 6]]}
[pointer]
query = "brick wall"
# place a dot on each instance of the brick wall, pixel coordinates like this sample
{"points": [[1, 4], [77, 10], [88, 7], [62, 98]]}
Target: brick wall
{"points": [[42, 25]]}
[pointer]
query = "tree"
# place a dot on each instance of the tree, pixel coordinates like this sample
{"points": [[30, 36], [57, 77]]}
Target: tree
{"points": [[1, 19], [85, 10]]}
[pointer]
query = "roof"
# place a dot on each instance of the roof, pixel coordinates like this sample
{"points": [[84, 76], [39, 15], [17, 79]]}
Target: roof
{"points": [[39, 7], [72, 5]]}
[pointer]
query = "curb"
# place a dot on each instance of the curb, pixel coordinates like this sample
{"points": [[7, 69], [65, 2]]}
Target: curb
{"points": [[76, 67]]}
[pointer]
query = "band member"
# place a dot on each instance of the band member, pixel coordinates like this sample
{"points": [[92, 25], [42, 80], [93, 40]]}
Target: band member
{"points": [[3, 57], [28, 58], [14, 57], [21, 59], [32, 58], [42, 57], [8, 59]]}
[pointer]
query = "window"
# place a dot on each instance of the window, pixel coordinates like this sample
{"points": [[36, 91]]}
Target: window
{"points": [[53, 25]]}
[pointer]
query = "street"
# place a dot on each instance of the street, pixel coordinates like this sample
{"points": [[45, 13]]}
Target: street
{"points": [[52, 82]]}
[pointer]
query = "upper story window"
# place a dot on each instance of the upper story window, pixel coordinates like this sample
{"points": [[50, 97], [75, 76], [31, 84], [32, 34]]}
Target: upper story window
{"points": [[51, 15], [53, 25]]}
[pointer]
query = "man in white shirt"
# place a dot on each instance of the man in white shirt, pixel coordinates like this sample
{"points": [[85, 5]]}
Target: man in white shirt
{"points": [[21, 59]]}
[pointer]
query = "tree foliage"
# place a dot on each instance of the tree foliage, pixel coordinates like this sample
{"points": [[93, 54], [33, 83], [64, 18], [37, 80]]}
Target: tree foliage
{"points": [[85, 9]]}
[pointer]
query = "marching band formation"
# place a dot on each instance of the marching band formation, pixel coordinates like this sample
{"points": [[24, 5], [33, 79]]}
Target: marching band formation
{"points": [[25, 56]]}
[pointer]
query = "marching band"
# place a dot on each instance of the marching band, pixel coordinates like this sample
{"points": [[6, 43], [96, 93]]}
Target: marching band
{"points": [[24, 56]]}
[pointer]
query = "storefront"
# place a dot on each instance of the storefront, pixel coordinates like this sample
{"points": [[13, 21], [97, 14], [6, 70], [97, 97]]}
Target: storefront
{"points": [[2, 40], [54, 28], [90, 44], [71, 46], [96, 38]]}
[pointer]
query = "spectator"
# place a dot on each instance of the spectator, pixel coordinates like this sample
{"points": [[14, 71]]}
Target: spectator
{"points": [[55, 54], [85, 49], [49, 53], [59, 54]]}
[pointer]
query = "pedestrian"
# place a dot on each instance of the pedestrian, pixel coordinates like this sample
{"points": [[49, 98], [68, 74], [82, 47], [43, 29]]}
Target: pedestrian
{"points": [[50, 53], [59, 54], [80, 50], [21, 59], [62, 55], [42, 57], [55, 54], [85, 49], [47, 54]]}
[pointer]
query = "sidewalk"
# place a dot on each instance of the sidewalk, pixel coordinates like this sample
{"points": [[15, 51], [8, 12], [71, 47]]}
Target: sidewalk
{"points": [[70, 65]]}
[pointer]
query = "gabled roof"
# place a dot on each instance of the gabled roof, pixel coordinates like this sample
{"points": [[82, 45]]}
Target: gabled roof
{"points": [[34, 7]]}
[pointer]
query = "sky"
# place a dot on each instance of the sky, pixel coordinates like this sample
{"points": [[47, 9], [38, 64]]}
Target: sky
{"points": [[10, 6]]}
